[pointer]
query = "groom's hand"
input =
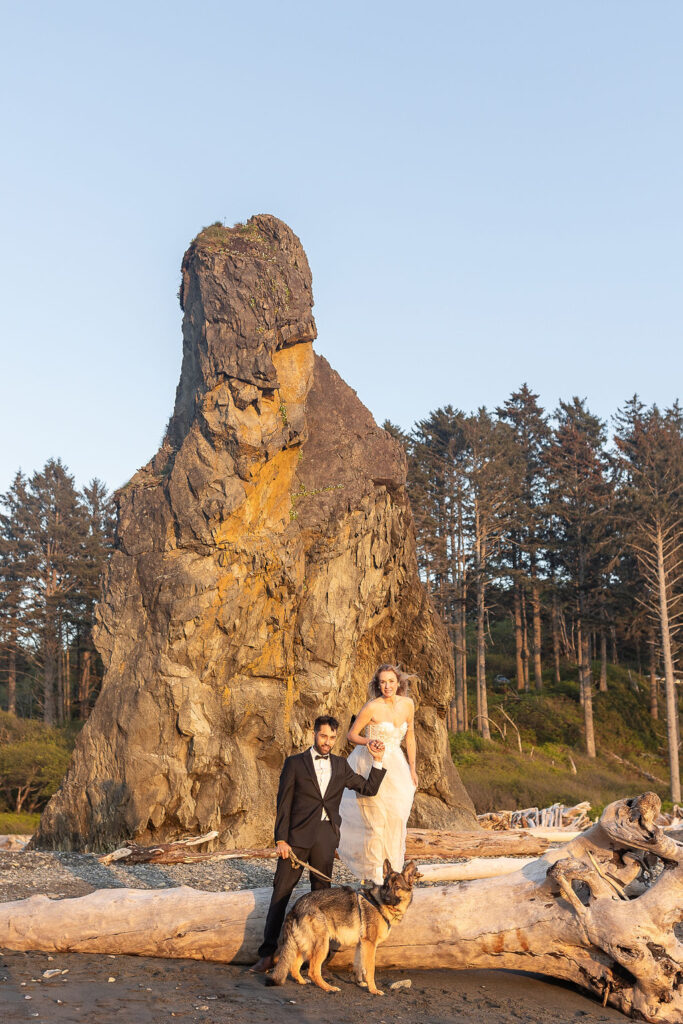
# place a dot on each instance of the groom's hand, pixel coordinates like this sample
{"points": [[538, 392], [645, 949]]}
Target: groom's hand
{"points": [[284, 850], [376, 748]]}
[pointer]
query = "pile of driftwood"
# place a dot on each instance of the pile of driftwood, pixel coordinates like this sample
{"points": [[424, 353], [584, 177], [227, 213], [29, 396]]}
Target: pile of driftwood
{"points": [[420, 844], [557, 816]]}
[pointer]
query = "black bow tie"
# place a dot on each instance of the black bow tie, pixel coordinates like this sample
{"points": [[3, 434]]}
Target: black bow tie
{"points": [[322, 757]]}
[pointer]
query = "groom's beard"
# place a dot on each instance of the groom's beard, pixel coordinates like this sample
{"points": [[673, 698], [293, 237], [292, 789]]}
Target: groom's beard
{"points": [[324, 749]]}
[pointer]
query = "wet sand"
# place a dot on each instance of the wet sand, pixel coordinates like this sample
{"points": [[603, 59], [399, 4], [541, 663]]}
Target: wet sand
{"points": [[152, 991]]}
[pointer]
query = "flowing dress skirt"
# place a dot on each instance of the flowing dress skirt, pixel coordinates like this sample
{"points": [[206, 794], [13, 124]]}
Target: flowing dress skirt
{"points": [[374, 827]]}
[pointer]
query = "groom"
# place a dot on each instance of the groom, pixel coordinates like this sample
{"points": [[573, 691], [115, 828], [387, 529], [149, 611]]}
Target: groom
{"points": [[308, 820]]}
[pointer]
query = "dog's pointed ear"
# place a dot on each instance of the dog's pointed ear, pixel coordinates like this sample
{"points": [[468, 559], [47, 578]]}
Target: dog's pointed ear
{"points": [[410, 872], [387, 869]]}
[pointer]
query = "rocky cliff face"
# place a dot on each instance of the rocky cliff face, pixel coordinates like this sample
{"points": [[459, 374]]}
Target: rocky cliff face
{"points": [[265, 565]]}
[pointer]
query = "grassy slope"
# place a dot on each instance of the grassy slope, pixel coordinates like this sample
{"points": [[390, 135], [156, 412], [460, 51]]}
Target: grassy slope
{"points": [[497, 776], [17, 824]]}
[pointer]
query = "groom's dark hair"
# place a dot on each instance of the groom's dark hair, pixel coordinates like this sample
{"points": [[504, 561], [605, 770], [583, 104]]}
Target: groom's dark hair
{"points": [[326, 720]]}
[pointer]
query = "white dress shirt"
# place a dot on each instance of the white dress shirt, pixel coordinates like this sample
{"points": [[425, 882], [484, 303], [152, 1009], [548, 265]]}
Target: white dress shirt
{"points": [[323, 773]]}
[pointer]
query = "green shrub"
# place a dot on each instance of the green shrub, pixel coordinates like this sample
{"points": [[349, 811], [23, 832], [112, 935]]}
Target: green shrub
{"points": [[33, 760]]}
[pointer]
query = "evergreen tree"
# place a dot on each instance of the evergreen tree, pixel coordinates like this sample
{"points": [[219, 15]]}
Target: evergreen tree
{"points": [[437, 486], [13, 565], [579, 500], [650, 452], [493, 481], [54, 527], [531, 438]]}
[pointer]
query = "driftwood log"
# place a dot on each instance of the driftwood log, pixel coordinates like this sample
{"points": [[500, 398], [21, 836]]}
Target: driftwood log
{"points": [[599, 911], [420, 844]]}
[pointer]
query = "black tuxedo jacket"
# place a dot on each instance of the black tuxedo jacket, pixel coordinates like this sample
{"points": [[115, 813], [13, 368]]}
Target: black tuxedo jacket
{"points": [[300, 802]]}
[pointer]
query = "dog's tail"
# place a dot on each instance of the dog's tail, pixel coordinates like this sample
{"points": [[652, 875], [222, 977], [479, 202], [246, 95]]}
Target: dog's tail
{"points": [[288, 950]]}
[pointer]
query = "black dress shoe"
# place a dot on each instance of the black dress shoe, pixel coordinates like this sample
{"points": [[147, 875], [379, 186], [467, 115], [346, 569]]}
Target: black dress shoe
{"points": [[262, 966]]}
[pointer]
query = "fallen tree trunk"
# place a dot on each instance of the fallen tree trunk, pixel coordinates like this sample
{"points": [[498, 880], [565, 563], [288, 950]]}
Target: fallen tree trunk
{"points": [[476, 867], [599, 911], [523, 842], [420, 844]]}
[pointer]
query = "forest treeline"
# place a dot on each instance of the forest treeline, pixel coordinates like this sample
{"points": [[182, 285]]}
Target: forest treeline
{"points": [[572, 532], [54, 545], [567, 531]]}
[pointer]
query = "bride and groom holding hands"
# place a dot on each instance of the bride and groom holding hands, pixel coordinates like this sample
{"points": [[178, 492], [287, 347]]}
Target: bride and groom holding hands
{"points": [[359, 806]]}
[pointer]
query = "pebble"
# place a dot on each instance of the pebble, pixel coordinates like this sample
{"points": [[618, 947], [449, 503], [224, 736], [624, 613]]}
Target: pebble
{"points": [[111, 979], [52, 973], [396, 985]]}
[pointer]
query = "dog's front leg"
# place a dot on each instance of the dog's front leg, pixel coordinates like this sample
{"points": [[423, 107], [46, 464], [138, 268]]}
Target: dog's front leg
{"points": [[358, 968], [367, 958]]}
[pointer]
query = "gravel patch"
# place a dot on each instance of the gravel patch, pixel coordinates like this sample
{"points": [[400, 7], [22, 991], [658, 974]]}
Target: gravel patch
{"points": [[61, 875]]}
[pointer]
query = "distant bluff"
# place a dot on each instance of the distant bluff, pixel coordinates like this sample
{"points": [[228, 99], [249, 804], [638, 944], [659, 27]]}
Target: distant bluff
{"points": [[265, 564]]}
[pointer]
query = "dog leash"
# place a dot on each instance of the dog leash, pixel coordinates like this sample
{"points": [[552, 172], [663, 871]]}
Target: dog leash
{"points": [[296, 863]]}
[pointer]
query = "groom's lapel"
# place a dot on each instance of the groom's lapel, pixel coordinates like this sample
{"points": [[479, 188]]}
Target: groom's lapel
{"points": [[335, 763], [308, 765]]}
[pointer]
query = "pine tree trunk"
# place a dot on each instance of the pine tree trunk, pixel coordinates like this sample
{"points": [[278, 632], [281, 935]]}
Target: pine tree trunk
{"points": [[579, 661], [603, 661], [556, 640], [60, 676], [587, 686], [457, 725], [463, 657], [12, 679], [654, 689], [536, 616], [49, 664], [564, 635], [615, 656], [84, 685], [525, 643], [67, 683], [482, 698], [482, 702], [519, 639], [671, 700]]}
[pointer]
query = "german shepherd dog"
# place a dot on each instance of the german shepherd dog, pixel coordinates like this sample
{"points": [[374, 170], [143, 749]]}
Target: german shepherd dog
{"points": [[348, 916]]}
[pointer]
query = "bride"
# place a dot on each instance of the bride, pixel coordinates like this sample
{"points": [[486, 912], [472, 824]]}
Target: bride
{"points": [[374, 828]]}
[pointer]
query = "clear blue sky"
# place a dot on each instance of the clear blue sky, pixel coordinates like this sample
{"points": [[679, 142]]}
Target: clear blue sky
{"points": [[488, 192]]}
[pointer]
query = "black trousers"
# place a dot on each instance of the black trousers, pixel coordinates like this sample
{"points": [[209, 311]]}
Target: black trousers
{"points": [[320, 856]]}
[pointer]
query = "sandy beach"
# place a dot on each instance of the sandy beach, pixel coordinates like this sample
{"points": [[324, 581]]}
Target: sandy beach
{"points": [[152, 991]]}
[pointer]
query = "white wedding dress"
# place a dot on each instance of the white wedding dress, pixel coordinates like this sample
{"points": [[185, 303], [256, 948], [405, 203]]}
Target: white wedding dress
{"points": [[374, 827]]}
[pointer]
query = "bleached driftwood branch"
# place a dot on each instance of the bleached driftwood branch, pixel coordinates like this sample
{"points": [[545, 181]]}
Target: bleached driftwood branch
{"points": [[557, 816], [599, 911], [421, 843]]}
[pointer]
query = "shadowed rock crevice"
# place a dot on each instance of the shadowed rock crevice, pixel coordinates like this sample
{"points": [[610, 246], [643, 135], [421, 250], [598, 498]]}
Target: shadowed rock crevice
{"points": [[265, 565]]}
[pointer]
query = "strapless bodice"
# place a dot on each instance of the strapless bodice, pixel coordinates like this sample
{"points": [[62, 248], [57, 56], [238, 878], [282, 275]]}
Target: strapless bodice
{"points": [[391, 735]]}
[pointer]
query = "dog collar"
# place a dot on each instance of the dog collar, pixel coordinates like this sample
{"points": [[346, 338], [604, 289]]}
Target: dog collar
{"points": [[378, 906]]}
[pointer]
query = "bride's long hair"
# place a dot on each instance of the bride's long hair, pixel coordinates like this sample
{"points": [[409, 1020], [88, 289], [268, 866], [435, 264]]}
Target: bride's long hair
{"points": [[403, 688]]}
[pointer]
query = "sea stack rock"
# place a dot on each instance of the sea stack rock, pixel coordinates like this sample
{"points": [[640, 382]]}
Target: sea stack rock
{"points": [[264, 566]]}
